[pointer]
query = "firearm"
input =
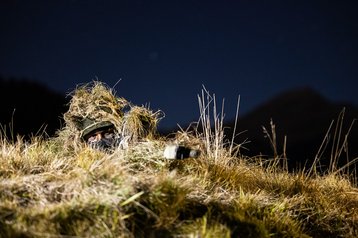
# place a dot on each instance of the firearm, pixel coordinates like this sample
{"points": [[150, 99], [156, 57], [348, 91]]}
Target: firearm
{"points": [[180, 152]]}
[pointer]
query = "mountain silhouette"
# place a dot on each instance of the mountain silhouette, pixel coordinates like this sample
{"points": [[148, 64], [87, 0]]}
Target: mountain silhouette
{"points": [[28, 108], [302, 115]]}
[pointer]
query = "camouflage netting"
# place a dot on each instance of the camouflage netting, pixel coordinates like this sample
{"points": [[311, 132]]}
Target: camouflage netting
{"points": [[96, 102]]}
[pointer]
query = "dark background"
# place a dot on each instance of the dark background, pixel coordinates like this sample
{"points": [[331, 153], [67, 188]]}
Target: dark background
{"points": [[162, 53]]}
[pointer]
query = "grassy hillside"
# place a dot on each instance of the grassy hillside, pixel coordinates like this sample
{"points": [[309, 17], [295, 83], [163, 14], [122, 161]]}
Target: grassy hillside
{"points": [[48, 189]]}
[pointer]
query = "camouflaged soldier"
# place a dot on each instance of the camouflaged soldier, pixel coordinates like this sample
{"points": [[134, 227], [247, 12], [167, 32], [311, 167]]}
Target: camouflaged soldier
{"points": [[106, 122]]}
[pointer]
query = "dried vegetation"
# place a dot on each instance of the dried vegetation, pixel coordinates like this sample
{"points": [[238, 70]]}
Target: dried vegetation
{"points": [[48, 189]]}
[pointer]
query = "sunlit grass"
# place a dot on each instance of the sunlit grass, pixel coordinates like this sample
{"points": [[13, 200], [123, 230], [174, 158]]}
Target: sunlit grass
{"points": [[50, 190]]}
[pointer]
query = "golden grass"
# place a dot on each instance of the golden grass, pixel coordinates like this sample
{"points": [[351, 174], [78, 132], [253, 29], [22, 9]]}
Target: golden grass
{"points": [[50, 190]]}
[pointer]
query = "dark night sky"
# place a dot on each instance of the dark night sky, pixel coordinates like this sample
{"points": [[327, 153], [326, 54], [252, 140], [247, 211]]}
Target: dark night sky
{"points": [[164, 51]]}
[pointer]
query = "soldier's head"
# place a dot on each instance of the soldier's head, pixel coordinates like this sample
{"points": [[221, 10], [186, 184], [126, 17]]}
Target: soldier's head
{"points": [[100, 135]]}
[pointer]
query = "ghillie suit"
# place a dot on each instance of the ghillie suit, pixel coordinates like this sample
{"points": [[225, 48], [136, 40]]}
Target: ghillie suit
{"points": [[94, 105]]}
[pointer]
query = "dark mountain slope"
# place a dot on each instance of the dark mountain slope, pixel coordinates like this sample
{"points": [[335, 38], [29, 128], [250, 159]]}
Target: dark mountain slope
{"points": [[304, 116], [29, 106]]}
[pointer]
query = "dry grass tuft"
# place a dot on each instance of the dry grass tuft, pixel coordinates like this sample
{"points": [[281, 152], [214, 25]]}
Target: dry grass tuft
{"points": [[49, 189]]}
